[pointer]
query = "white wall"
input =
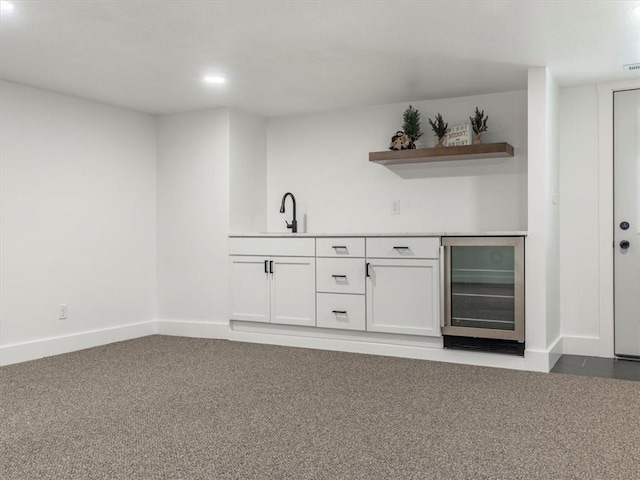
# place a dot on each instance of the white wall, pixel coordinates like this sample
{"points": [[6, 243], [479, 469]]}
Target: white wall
{"points": [[78, 220], [553, 217], [541, 273], [323, 159], [248, 172], [579, 240], [193, 216], [79, 203]]}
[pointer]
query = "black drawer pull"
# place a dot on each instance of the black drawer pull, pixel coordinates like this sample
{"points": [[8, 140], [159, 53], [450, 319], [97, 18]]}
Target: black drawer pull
{"points": [[401, 248], [339, 247], [339, 276], [340, 312]]}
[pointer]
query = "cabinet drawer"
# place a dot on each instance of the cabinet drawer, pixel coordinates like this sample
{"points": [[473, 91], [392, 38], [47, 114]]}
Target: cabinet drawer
{"points": [[403, 247], [340, 275], [280, 247], [340, 247], [346, 312]]}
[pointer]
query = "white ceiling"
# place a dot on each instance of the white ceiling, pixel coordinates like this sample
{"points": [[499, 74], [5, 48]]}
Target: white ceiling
{"points": [[285, 57]]}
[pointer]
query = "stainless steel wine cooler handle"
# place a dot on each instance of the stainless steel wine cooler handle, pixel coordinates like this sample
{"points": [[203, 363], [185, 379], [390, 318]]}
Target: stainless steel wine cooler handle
{"points": [[442, 299]]}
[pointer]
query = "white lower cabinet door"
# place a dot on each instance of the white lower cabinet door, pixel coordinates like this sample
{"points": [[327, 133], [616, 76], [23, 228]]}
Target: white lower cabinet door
{"points": [[342, 311], [293, 298], [249, 289], [403, 296]]}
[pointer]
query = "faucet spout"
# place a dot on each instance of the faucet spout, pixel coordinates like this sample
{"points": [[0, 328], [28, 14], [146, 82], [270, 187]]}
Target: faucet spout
{"points": [[294, 223]]}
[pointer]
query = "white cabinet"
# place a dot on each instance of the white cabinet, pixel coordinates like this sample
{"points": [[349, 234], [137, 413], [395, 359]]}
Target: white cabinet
{"points": [[403, 247], [250, 289], [403, 294], [375, 284], [268, 287], [340, 283], [267, 247], [340, 275], [340, 247], [293, 299], [273, 289], [341, 311]]}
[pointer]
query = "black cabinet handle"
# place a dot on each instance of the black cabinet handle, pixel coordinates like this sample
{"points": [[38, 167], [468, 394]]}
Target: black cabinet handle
{"points": [[366, 270], [271, 266], [401, 248], [339, 276], [266, 267], [339, 247], [340, 312]]}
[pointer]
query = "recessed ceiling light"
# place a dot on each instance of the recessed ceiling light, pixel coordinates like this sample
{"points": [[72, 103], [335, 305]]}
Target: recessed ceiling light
{"points": [[214, 79], [6, 7]]}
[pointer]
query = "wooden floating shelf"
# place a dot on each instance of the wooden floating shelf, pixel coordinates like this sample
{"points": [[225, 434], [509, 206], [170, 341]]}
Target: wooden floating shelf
{"points": [[440, 154]]}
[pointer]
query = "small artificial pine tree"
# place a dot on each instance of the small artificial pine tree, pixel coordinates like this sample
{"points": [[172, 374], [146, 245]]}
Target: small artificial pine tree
{"points": [[411, 124], [479, 123], [439, 127]]}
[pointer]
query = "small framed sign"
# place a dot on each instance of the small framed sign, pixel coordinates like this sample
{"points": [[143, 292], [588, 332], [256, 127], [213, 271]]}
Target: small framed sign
{"points": [[460, 135]]}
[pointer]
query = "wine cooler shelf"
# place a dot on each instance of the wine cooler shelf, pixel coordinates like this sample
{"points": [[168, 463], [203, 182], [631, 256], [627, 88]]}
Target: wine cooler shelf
{"points": [[482, 290]]}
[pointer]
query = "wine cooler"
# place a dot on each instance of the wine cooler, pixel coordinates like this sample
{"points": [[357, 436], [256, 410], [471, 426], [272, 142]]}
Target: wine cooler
{"points": [[484, 293]]}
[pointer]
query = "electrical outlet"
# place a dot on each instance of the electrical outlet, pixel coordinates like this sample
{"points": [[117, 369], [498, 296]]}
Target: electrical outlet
{"points": [[62, 311], [395, 207]]}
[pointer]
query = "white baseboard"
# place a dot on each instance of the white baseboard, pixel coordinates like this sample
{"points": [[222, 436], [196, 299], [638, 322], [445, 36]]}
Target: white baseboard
{"points": [[22, 352], [422, 348], [589, 346], [336, 340], [197, 329]]}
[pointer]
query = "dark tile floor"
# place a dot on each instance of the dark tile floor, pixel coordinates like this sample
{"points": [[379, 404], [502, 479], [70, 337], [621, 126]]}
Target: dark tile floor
{"points": [[598, 367]]}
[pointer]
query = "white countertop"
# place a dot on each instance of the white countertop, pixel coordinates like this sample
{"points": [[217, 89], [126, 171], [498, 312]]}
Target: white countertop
{"points": [[513, 233]]}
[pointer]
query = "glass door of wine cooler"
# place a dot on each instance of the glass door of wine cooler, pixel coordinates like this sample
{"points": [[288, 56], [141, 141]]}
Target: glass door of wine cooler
{"points": [[484, 287]]}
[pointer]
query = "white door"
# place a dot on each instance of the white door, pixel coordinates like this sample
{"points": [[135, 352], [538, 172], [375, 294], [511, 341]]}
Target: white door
{"points": [[627, 222], [293, 291], [249, 289], [403, 297]]}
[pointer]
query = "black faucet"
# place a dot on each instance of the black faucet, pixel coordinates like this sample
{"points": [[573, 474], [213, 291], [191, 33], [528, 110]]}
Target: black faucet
{"points": [[294, 223]]}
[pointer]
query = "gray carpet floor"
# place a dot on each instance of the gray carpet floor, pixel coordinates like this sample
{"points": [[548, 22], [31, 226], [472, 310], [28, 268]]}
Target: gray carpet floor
{"points": [[178, 408]]}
